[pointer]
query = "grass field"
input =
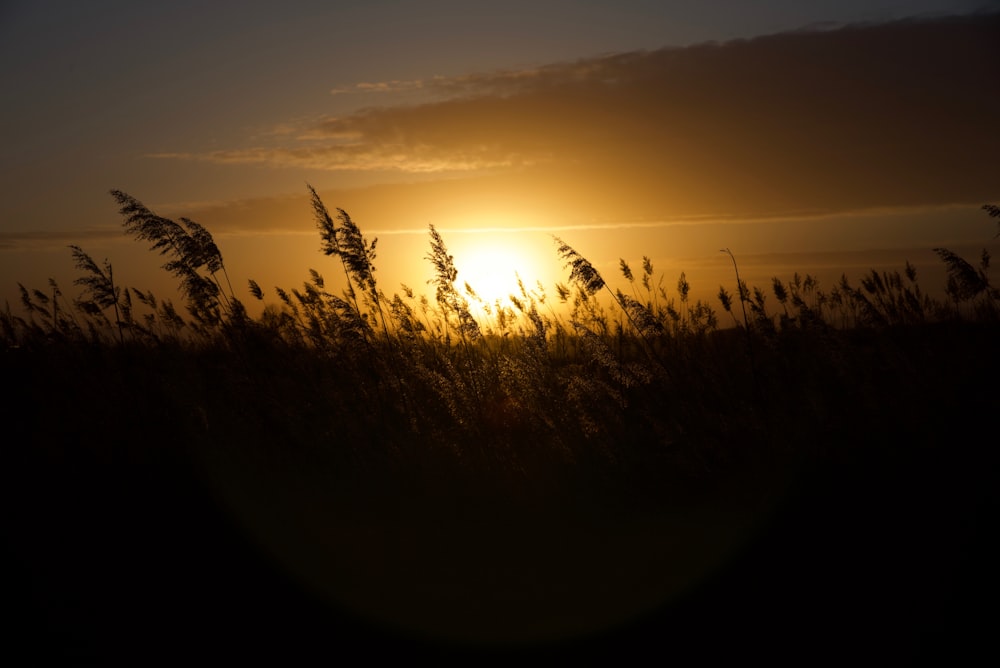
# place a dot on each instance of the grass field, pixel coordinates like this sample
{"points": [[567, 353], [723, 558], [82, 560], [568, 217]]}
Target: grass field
{"points": [[799, 472]]}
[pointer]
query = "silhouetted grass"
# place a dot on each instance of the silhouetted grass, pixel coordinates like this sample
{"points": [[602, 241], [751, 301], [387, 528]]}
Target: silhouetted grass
{"points": [[332, 415]]}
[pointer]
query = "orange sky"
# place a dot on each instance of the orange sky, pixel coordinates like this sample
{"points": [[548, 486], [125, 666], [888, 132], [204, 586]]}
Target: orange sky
{"points": [[828, 150]]}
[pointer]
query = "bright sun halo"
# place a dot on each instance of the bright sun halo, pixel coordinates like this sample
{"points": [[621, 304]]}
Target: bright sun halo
{"points": [[492, 266]]}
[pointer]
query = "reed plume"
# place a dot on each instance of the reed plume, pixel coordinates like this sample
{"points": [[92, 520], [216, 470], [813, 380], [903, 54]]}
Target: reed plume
{"points": [[99, 287], [451, 301], [191, 249]]}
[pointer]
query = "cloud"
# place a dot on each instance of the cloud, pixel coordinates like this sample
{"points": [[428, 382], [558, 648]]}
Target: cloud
{"points": [[32, 240], [501, 81], [900, 113], [394, 86], [411, 158]]}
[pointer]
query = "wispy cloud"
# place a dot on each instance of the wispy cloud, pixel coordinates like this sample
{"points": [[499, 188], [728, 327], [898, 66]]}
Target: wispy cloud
{"points": [[699, 221], [362, 157], [33, 240], [496, 82], [394, 86]]}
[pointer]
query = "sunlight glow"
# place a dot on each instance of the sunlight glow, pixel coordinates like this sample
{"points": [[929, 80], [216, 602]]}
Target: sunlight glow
{"points": [[492, 263]]}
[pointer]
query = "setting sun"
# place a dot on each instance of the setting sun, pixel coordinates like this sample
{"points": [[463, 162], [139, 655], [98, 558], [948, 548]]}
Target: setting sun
{"points": [[491, 263]]}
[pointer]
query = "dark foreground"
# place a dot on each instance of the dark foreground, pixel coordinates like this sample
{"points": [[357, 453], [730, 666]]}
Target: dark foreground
{"points": [[128, 535], [894, 563]]}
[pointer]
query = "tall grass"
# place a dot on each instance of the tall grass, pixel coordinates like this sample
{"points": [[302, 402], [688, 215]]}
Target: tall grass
{"points": [[643, 380], [545, 426]]}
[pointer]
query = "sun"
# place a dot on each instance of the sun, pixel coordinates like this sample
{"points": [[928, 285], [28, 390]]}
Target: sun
{"points": [[493, 263]]}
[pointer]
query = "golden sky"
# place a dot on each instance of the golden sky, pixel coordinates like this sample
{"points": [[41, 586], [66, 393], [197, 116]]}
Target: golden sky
{"points": [[834, 147]]}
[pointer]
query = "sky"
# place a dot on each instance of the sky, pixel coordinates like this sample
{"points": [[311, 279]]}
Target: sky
{"points": [[812, 137]]}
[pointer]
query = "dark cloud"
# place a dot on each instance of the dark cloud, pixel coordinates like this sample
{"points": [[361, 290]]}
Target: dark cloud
{"points": [[903, 113], [57, 238]]}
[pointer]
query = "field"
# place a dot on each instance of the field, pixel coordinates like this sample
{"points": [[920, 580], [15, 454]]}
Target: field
{"points": [[799, 471]]}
